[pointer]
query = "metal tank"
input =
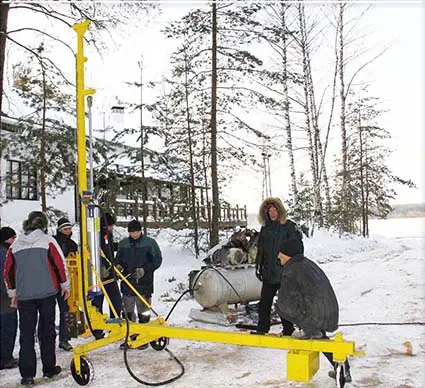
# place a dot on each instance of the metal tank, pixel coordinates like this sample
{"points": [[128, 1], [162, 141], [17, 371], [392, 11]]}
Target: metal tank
{"points": [[210, 286]]}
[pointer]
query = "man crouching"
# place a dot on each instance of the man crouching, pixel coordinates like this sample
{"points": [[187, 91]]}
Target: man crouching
{"points": [[306, 298]]}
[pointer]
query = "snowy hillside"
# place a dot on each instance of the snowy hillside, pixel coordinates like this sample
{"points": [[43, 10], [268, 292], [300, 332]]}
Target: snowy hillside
{"points": [[376, 280]]}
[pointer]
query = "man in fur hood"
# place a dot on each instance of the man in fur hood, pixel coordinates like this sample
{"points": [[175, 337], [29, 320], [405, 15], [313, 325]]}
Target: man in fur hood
{"points": [[276, 228]]}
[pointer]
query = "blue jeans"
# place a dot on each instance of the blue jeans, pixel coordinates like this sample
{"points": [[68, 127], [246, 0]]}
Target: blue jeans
{"points": [[8, 329]]}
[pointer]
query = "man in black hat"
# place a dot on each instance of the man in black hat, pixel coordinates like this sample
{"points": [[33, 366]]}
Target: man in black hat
{"points": [[68, 245], [139, 256], [8, 314], [306, 298]]}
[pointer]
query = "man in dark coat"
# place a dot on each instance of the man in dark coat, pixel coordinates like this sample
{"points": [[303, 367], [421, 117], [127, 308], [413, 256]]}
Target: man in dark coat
{"points": [[275, 229], [107, 222], [138, 257], [8, 314], [306, 297], [68, 245]]}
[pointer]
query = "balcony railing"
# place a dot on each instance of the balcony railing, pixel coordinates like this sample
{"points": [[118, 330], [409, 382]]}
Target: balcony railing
{"points": [[177, 215]]}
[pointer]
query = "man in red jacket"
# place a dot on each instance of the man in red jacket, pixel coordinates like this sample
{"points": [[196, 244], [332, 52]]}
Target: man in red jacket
{"points": [[35, 271]]}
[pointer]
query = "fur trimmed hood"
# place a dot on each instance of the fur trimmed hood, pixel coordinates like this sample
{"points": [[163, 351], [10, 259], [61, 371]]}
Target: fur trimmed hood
{"points": [[277, 203]]}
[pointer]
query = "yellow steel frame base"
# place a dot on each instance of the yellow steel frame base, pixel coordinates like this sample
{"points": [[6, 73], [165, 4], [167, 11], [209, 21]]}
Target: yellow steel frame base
{"points": [[302, 358]]}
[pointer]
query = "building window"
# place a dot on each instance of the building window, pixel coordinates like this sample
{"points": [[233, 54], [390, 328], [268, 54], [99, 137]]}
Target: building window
{"points": [[21, 181]]}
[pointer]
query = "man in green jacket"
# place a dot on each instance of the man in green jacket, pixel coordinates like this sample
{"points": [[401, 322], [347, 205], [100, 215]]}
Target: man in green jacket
{"points": [[139, 256], [275, 229]]}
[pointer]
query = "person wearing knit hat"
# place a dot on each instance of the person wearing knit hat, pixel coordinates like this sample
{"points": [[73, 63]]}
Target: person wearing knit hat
{"points": [[8, 314], [306, 298], [63, 223], [68, 246], [6, 233], [134, 226], [139, 257]]}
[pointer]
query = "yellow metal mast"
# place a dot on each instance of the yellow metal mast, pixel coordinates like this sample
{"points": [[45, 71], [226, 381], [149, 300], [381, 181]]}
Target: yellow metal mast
{"points": [[303, 355], [80, 29]]}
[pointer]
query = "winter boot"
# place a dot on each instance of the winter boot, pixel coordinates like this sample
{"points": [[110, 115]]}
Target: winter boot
{"points": [[56, 370], [66, 346], [27, 381], [144, 318], [347, 374]]}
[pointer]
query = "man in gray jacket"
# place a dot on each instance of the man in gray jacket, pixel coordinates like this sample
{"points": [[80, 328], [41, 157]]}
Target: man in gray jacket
{"points": [[306, 298], [35, 271]]}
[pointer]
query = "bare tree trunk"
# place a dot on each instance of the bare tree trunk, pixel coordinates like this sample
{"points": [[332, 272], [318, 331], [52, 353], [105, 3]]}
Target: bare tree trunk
{"points": [[342, 114], [307, 108], [142, 153], [325, 146], [191, 169], [213, 124], [205, 170], [4, 12], [362, 183], [366, 187], [287, 117], [43, 144]]}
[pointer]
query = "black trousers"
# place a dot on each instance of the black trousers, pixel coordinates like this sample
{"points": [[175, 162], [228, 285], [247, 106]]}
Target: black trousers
{"points": [[63, 310], [268, 292], [8, 329], [115, 296], [30, 311]]}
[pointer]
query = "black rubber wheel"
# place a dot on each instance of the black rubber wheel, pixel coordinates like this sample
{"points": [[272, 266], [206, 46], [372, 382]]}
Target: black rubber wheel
{"points": [[87, 371], [340, 375], [160, 344]]}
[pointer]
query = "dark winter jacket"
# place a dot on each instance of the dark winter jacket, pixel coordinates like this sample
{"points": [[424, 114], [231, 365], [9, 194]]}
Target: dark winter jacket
{"points": [[107, 246], [67, 244], [141, 253], [272, 234], [35, 267], [4, 300], [306, 297]]}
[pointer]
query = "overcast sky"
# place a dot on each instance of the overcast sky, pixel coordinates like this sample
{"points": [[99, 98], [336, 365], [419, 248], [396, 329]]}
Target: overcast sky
{"points": [[397, 77]]}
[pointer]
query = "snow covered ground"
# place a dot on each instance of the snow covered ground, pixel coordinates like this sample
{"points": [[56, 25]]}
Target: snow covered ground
{"points": [[381, 279]]}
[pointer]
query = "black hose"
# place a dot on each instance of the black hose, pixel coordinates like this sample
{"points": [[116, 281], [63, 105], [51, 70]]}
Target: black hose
{"points": [[127, 331], [382, 323], [226, 280]]}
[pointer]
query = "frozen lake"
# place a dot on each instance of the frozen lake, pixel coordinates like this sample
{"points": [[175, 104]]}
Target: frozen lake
{"points": [[398, 227]]}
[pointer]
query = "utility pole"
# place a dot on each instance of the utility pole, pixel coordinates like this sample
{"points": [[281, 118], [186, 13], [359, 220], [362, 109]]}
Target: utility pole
{"points": [[142, 150], [267, 182]]}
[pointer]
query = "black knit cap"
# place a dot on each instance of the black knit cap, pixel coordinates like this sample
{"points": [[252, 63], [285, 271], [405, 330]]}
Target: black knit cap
{"points": [[107, 219], [63, 223], [134, 226], [6, 233], [290, 247]]}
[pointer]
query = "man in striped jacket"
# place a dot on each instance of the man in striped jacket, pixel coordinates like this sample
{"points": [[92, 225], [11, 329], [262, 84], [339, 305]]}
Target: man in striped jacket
{"points": [[35, 271]]}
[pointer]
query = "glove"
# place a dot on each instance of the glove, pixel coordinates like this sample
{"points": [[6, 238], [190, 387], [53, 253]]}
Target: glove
{"points": [[139, 273], [258, 269], [104, 272]]}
